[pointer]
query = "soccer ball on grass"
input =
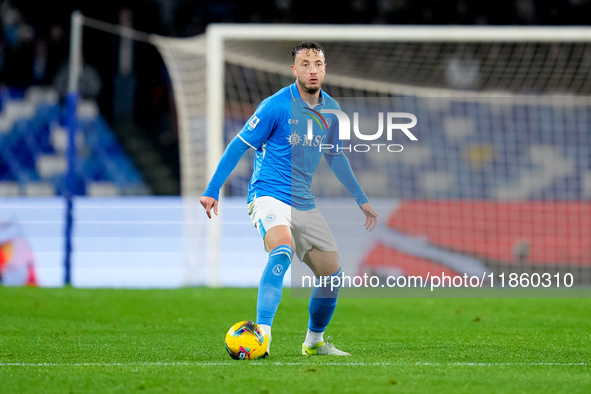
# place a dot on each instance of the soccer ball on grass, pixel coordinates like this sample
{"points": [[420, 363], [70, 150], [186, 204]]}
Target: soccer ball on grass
{"points": [[246, 340]]}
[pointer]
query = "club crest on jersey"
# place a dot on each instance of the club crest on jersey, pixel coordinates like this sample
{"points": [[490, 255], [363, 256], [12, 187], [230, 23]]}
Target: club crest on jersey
{"points": [[253, 123]]}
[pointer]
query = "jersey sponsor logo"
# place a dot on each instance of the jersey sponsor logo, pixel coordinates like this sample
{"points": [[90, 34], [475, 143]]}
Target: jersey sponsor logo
{"points": [[294, 139], [293, 121], [316, 141], [278, 270], [253, 123]]}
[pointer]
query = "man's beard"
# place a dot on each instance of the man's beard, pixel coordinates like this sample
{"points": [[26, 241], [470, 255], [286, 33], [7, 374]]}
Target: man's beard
{"points": [[312, 90]]}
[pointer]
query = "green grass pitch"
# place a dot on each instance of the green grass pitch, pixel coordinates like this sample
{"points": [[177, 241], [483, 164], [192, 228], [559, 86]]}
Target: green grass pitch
{"points": [[106, 340]]}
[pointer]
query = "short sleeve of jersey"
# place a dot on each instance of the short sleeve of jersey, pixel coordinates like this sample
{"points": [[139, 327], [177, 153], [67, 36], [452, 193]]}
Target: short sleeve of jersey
{"points": [[261, 124]]}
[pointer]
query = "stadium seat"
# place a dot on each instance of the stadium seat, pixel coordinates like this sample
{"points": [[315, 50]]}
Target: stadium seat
{"points": [[9, 189], [39, 189], [102, 189], [33, 145]]}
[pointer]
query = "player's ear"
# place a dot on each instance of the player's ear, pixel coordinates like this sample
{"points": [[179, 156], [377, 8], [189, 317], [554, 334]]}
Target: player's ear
{"points": [[293, 70]]}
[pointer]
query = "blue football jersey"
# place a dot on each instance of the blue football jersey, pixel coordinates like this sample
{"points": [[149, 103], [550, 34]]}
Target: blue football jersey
{"points": [[286, 157]]}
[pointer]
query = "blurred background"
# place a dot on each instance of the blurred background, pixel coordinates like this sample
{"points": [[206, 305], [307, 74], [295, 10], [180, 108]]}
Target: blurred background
{"points": [[494, 184]]}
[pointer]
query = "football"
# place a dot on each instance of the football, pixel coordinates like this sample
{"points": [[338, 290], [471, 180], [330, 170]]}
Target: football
{"points": [[246, 340]]}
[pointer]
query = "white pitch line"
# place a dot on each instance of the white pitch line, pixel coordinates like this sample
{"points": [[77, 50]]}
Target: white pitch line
{"points": [[279, 363]]}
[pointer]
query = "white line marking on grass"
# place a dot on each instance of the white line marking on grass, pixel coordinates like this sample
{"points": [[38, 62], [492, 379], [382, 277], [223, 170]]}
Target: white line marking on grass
{"points": [[467, 364], [279, 363]]}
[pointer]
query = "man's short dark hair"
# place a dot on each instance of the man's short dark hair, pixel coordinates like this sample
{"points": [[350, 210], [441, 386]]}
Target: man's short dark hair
{"points": [[307, 45]]}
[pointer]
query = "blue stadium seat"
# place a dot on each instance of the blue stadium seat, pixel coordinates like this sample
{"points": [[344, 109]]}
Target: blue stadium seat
{"points": [[30, 138]]}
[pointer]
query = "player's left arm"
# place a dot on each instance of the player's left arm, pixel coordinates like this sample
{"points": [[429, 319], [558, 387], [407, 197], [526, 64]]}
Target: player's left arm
{"points": [[339, 164]]}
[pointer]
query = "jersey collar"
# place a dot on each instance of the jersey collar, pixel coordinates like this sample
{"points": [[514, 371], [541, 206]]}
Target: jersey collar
{"points": [[295, 93]]}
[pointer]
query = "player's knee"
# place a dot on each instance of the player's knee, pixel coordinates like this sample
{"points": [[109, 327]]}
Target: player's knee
{"points": [[322, 263], [278, 235]]}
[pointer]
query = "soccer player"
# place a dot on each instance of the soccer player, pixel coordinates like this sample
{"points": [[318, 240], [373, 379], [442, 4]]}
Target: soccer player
{"points": [[280, 201]]}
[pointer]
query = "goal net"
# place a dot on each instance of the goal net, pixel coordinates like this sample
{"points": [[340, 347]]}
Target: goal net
{"points": [[499, 181]]}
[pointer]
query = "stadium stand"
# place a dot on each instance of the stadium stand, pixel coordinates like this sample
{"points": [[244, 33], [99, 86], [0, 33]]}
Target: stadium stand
{"points": [[33, 145]]}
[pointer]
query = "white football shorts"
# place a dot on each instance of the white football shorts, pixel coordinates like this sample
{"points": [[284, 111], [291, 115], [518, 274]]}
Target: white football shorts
{"points": [[308, 228]]}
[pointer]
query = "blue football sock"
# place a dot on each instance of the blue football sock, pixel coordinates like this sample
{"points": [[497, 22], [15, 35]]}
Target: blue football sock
{"points": [[271, 284], [323, 301]]}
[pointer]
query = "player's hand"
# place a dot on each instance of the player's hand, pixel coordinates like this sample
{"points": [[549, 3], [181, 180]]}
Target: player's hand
{"points": [[208, 203], [371, 216]]}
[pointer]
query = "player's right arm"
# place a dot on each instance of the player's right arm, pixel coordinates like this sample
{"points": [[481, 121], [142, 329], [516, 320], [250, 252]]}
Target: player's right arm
{"points": [[254, 133], [228, 162]]}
